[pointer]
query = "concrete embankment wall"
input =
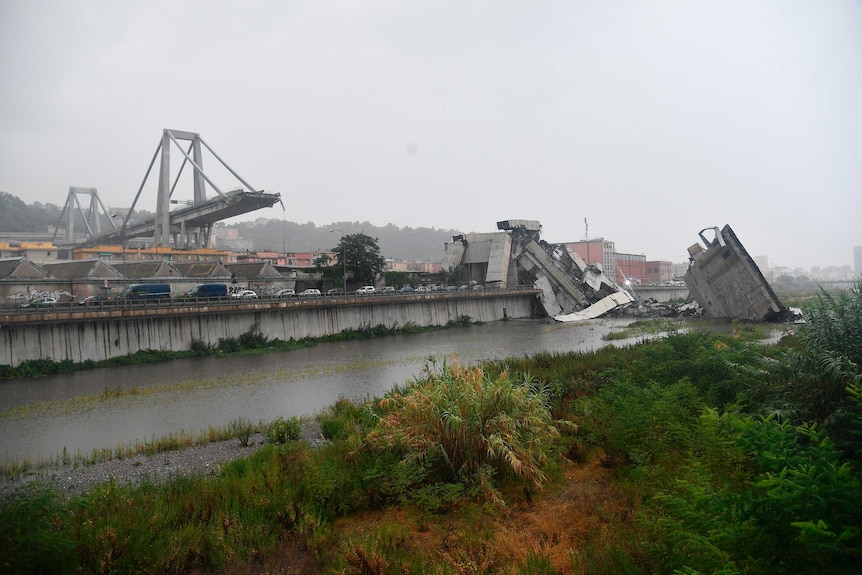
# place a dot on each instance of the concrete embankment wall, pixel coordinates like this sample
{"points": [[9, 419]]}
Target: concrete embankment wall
{"points": [[112, 333]]}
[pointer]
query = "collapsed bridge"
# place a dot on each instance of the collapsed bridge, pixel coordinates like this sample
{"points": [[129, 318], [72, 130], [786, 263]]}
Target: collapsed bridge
{"points": [[571, 289], [185, 227]]}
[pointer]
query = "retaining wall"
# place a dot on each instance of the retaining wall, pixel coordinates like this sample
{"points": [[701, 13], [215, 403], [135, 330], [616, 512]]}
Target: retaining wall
{"points": [[106, 334]]}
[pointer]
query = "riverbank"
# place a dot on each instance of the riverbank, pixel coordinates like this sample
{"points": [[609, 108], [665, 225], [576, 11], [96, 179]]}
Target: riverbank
{"points": [[205, 459]]}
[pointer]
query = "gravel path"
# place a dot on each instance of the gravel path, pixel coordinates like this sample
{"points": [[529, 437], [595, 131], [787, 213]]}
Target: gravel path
{"points": [[199, 460]]}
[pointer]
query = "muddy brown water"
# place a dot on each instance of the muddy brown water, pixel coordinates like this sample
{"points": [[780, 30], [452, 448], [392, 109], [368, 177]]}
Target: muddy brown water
{"points": [[104, 408]]}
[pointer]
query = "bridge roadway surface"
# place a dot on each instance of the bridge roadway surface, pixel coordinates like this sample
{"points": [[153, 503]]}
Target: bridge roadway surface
{"points": [[78, 333]]}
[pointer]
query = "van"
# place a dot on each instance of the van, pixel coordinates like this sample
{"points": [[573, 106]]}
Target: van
{"points": [[207, 291], [148, 291]]}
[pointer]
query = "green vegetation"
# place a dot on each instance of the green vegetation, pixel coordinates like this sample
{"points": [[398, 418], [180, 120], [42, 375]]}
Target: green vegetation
{"points": [[283, 430], [643, 328], [693, 453], [360, 255], [465, 426]]}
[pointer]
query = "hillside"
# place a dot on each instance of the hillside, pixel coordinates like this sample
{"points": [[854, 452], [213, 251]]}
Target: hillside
{"points": [[406, 243]]}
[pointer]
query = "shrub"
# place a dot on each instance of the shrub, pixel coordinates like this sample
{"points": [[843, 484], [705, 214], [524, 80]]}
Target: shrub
{"points": [[464, 425], [283, 430], [33, 533], [228, 345], [242, 430], [641, 425], [331, 426], [763, 497], [344, 418], [253, 340], [199, 348]]}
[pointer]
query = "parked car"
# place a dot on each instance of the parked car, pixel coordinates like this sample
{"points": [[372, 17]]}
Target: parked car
{"points": [[310, 292], [335, 292], [451, 288], [41, 302], [422, 289], [478, 287], [388, 290], [407, 289], [244, 294], [366, 290], [284, 293]]}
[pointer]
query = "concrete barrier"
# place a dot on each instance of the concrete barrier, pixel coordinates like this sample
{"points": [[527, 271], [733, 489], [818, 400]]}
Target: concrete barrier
{"points": [[101, 335]]}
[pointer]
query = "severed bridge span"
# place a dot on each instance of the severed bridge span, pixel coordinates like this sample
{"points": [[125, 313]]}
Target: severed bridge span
{"points": [[185, 227]]}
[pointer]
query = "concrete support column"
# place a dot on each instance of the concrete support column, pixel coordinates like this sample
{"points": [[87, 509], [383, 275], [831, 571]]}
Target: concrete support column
{"points": [[163, 203]]}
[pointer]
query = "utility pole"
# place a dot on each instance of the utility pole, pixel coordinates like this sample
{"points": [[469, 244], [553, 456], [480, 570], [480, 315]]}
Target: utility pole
{"points": [[587, 239]]}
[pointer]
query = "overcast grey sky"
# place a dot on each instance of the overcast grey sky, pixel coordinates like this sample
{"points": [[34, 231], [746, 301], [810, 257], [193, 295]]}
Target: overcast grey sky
{"points": [[652, 120]]}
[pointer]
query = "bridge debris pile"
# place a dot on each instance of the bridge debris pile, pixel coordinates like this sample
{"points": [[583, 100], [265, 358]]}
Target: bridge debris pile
{"points": [[726, 283], [571, 289]]}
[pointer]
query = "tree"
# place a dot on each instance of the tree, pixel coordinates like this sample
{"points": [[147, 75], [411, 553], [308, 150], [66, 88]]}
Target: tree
{"points": [[321, 262], [397, 279], [360, 255]]}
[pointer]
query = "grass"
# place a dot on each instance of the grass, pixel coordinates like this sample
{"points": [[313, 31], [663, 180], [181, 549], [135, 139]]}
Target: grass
{"points": [[643, 328]]}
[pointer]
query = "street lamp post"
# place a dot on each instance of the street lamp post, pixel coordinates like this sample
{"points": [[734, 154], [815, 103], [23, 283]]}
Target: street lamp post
{"points": [[343, 261], [123, 240]]}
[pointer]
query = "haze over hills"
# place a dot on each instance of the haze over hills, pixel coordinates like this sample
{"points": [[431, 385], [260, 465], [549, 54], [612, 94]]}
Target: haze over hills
{"points": [[410, 244]]}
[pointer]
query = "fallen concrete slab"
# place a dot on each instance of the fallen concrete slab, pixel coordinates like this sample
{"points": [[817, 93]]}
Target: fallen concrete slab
{"points": [[608, 303], [726, 282]]}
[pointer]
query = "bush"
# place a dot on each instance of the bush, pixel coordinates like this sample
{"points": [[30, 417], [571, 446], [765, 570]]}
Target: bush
{"points": [[199, 348], [345, 418], [33, 533], [331, 426], [242, 429], [643, 425], [253, 340], [466, 426], [283, 430], [228, 345]]}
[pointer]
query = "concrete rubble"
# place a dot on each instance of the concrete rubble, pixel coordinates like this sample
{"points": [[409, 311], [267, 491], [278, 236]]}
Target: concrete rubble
{"points": [[571, 289]]}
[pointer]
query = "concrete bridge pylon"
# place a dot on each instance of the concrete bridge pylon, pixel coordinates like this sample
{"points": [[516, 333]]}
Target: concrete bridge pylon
{"points": [[190, 226]]}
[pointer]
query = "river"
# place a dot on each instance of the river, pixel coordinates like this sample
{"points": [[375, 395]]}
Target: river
{"points": [[94, 409]]}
